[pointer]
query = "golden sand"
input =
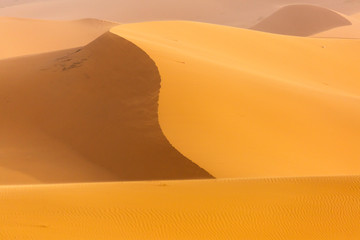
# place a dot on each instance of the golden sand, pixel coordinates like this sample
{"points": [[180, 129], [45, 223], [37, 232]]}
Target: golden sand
{"points": [[281, 209], [243, 103]]}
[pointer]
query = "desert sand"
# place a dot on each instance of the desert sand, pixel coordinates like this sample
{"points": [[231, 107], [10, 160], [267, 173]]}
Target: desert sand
{"points": [[301, 20], [350, 31], [92, 108], [239, 13], [47, 36], [228, 106], [304, 208], [112, 131]]}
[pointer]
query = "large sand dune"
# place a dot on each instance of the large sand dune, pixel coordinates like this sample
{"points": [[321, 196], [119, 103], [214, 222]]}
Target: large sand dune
{"points": [[241, 13], [88, 114], [179, 100], [243, 103], [24, 36], [301, 20], [281, 209]]}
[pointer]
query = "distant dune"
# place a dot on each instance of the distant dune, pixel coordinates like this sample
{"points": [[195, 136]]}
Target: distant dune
{"points": [[301, 20], [240, 13], [96, 118], [357, 16], [350, 31], [87, 114], [242, 103], [24, 36], [281, 209]]}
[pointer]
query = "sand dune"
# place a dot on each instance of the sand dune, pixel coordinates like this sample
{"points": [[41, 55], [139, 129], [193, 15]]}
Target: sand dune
{"points": [[180, 100], [357, 16], [24, 36], [350, 31], [243, 103], [87, 114], [308, 208], [301, 20], [7, 3], [240, 13]]}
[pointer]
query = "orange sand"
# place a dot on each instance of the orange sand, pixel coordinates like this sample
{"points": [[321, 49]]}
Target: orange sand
{"points": [[88, 114], [281, 209], [24, 37], [243, 103], [81, 104]]}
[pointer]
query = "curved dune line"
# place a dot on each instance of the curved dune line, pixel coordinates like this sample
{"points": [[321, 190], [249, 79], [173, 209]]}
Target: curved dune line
{"points": [[294, 208], [239, 13], [21, 37], [243, 103], [88, 114], [351, 31], [301, 20]]}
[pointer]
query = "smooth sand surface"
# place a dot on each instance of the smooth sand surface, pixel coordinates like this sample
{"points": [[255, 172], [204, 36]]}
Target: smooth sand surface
{"points": [[301, 20], [243, 103], [178, 100], [350, 31], [87, 114], [357, 16], [240, 13], [24, 36], [281, 209]]}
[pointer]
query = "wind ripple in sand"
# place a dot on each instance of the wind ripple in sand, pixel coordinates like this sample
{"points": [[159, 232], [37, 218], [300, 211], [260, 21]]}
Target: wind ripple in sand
{"points": [[289, 208]]}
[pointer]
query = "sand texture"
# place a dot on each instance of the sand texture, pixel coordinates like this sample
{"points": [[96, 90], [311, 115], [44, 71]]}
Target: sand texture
{"points": [[87, 114], [281, 209], [227, 119], [239, 13], [233, 100]]}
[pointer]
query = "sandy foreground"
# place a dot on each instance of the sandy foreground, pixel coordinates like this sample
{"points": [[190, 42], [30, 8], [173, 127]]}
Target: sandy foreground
{"points": [[117, 131], [303, 208]]}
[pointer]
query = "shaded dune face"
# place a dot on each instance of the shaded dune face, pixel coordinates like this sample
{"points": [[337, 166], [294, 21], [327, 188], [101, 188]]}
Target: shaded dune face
{"points": [[260, 105], [87, 114], [301, 20]]}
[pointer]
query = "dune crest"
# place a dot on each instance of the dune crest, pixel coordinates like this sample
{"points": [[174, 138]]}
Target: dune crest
{"points": [[88, 114], [301, 20], [244, 103], [238, 13], [46, 36]]}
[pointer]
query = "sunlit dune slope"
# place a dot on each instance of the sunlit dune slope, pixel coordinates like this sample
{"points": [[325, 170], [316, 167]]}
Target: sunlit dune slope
{"points": [[301, 20], [88, 114], [239, 13], [246, 103], [24, 36], [281, 209]]}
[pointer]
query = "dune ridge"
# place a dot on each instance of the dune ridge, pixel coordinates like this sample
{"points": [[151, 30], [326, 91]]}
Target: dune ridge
{"points": [[351, 31], [87, 114], [289, 208], [301, 20], [43, 36], [233, 106], [239, 13]]}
